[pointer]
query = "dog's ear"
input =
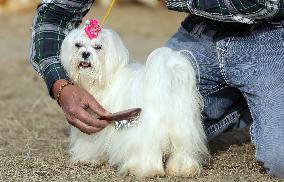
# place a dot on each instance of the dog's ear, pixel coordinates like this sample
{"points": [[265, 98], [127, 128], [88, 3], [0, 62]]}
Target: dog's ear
{"points": [[116, 54], [67, 48]]}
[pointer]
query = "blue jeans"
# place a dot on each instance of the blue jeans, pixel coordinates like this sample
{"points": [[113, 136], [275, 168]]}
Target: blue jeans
{"points": [[242, 80]]}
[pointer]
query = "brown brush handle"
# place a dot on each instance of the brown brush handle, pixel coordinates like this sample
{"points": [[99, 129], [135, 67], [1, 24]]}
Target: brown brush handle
{"points": [[122, 115]]}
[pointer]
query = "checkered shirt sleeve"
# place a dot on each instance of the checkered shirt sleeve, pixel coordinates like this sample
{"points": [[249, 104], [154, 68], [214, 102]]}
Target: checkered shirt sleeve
{"points": [[52, 21], [243, 11]]}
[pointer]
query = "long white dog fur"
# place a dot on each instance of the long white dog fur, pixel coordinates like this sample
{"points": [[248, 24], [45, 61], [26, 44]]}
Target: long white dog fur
{"points": [[169, 139]]}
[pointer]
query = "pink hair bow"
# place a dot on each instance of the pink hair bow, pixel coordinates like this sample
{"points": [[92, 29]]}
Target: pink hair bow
{"points": [[92, 28]]}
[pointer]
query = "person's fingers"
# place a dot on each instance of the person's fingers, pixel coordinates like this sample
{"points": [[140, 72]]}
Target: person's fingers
{"points": [[97, 108], [82, 126], [90, 120]]}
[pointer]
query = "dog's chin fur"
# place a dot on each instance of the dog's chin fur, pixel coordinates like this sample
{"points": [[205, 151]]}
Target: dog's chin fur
{"points": [[169, 139]]}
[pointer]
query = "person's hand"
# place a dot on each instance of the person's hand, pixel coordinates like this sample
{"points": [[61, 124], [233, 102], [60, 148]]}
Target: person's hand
{"points": [[75, 102]]}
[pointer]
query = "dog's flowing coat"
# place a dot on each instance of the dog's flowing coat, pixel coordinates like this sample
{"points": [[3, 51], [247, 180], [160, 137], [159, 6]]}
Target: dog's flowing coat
{"points": [[169, 139]]}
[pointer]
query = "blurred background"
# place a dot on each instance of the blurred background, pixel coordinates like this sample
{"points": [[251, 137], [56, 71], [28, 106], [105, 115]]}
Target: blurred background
{"points": [[142, 26], [32, 141]]}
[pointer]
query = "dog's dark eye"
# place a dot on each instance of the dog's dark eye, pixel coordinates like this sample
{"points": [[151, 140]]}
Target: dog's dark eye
{"points": [[78, 45], [97, 47]]}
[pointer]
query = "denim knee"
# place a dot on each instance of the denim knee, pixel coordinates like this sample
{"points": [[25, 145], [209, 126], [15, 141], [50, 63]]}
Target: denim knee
{"points": [[274, 163]]}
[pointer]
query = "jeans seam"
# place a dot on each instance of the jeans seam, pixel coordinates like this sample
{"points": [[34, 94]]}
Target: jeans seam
{"points": [[252, 127], [229, 119], [214, 90], [221, 54]]}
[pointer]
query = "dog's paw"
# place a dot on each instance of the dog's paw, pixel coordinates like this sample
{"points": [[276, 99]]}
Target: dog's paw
{"points": [[142, 170], [182, 165]]}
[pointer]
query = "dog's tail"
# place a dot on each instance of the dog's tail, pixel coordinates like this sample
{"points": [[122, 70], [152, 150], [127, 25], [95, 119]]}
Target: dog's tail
{"points": [[168, 73], [171, 88]]}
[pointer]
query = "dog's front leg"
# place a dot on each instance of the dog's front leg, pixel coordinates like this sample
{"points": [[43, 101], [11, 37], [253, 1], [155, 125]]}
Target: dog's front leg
{"points": [[138, 150]]}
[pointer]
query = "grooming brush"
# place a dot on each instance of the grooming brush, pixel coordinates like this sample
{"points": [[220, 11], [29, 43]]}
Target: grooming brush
{"points": [[124, 119]]}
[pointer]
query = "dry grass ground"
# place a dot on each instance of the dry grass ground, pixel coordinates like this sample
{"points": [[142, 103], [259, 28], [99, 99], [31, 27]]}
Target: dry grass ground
{"points": [[32, 143], [12, 6]]}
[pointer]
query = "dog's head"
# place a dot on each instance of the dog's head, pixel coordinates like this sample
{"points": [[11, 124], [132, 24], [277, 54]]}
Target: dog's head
{"points": [[92, 63]]}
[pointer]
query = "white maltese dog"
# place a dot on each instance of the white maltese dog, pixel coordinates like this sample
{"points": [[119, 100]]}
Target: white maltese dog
{"points": [[168, 138]]}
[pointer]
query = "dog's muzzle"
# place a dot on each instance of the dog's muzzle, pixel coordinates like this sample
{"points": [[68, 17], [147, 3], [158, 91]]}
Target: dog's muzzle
{"points": [[85, 64]]}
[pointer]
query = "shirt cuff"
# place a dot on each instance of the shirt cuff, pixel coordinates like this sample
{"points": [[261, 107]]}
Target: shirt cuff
{"points": [[53, 73]]}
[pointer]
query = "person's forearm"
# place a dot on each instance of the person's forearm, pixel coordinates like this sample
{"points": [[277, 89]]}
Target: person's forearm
{"points": [[51, 23], [56, 87]]}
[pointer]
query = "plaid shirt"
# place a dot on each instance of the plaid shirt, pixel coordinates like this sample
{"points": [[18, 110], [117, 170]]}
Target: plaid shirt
{"points": [[243, 11], [55, 18]]}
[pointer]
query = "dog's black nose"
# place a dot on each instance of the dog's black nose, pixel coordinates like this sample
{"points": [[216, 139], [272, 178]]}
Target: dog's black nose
{"points": [[85, 55]]}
